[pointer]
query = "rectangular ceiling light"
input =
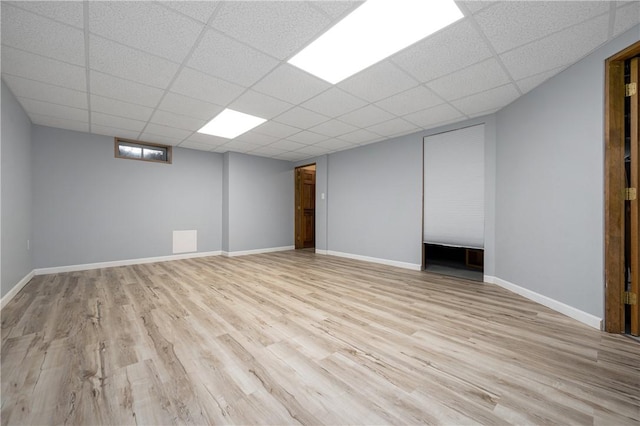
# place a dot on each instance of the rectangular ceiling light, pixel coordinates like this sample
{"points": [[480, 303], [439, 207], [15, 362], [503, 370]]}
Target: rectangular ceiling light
{"points": [[230, 124], [372, 32]]}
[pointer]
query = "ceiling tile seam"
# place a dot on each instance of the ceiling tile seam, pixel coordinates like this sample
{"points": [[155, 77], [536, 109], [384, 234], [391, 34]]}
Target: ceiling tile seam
{"points": [[494, 53], [183, 65], [50, 103], [85, 15], [146, 52], [612, 19], [184, 15], [17, 6], [55, 117], [51, 58], [41, 82]]}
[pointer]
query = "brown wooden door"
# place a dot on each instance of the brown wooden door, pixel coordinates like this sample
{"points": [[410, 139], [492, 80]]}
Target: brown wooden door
{"points": [[305, 215], [633, 230]]}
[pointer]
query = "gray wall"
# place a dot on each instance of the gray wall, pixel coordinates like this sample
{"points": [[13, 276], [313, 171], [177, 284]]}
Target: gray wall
{"points": [[16, 193], [550, 185], [91, 207], [261, 202]]}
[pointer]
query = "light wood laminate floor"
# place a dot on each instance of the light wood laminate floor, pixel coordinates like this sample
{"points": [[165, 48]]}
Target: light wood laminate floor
{"points": [[294, 337]]}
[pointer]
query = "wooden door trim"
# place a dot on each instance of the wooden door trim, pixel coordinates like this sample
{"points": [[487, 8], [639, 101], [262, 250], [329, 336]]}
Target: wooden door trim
{"points": [[614, 188], [297, 218]]}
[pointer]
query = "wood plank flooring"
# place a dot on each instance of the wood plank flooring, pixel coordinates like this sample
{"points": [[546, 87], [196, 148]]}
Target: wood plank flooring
{"points": [[299, 338]]}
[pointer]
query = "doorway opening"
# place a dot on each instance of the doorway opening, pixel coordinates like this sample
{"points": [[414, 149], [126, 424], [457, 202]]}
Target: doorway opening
{"points": [[622, 178], [305, 207]]}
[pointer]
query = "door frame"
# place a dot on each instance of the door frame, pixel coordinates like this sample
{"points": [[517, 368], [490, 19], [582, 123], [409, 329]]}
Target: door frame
{"points": [[614, 184], [296, 199]]}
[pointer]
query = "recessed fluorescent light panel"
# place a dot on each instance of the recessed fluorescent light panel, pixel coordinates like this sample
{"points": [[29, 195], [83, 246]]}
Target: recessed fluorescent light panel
{"points": [[372, 32], [230, 124]]}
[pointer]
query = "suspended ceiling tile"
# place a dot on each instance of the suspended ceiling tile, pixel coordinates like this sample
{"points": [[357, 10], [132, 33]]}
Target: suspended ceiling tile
{"points": [[333, 128], [119, 108], [124, 90], [360, 136], [205, 87], [24, 88], [35, 34], [377, 82], [223, 57], [115, 59], [202, 138], [199, 10], [184, 105], [146, 26], [177, 120], [267, 151], [514, 23], [166, 131], [114, 132], [34, 67], [300, 117], [60, 123], [626, 17], [447, 51], [288, 145], [67, 12], [291, 156], [337, 9], [334, 102], [116, 122], [409, 101], [334, 145], [557, 50], [260, 105], [491, 99], [32, 106], [527, 84], [430, 117], [165, 140], [306, 137], [394, 127], [279, 28], [257, 138], [240, 146], [312, 150], [366, 116], [195, 145], [475, 6], [278, 130], [477, 78], [291, 84]]}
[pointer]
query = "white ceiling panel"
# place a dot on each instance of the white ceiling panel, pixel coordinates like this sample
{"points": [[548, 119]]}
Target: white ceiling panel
{"points": [[116, 122], [336, 9], [508, 25], [306, 137], [166, 131], [34, 67], [116, 59], [409, 101], [394, 127], [366, 116], [311, 150], [205, 87], [256, 138], [199, 10], [67, 12], [486, 101], [180, 104], [195, 145], [301, 117], [334, 102], [377, 82], [335, 145], [165, 140], [279, 28], [114, 132], [333, 128], [33, 33], [360, 136], [482, 76], [475, 6], [447, 51], [119, 108], [551, 52], [239, 146], [291, 84], [124, 90], [527, 84], [177, 120], [61, 123], [146, 26], [267, 150], [287, 145], [32, 106], [223, 57], [433, 116], [24, 88], [260, 105], [278, 130], [210, 140], [627, 16]]}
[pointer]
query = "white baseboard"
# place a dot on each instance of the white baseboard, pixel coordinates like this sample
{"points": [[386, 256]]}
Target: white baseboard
{"points": [[16, 289], [322, 251], [256, 251], [570, 311], [100, 265], [405, 265]]}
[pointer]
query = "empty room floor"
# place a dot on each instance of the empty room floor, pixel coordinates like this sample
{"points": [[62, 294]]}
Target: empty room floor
{"points": [[300, 338]]}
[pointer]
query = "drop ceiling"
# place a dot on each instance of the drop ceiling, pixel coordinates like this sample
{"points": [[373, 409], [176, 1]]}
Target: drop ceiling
{"points": [[158, 71]]}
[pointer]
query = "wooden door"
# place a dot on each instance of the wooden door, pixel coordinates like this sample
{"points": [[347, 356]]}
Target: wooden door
{"points": [[305, 214], [633, 230]]}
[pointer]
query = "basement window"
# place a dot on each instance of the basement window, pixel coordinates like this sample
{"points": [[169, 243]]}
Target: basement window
{"points": [[144, 151]]}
